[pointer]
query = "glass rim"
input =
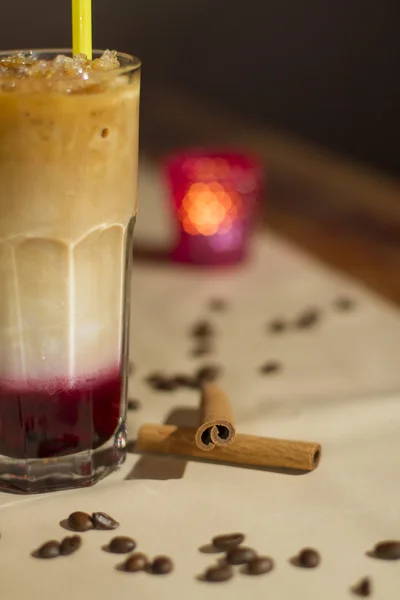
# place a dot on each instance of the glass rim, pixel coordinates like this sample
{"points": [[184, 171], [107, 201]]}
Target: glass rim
{"points": [[132, 63]]}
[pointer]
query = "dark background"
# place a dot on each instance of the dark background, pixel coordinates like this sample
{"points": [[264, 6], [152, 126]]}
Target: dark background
{"points": [[327, 70]]}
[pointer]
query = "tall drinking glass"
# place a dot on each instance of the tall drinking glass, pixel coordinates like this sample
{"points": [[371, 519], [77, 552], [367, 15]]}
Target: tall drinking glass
{"points": [[68, 201]]}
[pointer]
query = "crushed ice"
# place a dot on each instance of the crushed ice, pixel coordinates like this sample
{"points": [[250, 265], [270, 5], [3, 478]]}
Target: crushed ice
{"points": [[27, 65]]}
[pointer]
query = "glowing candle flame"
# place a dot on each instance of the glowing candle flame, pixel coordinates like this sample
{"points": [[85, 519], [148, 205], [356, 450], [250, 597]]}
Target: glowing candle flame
{"points": [[209, 208]]}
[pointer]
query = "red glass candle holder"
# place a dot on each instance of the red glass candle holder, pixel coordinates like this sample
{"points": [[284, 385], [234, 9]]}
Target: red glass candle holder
{"points": [[215, 198]]}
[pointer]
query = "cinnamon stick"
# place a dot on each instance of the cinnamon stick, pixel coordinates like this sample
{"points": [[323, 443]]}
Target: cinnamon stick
{"points": [[248, 450], [216, 419]]}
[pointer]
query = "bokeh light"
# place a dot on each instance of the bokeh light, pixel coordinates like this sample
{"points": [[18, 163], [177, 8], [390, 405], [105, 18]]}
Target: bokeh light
{"points": [[209, 208]]}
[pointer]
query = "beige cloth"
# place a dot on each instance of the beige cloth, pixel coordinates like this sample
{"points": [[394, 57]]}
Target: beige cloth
{"points": [[340, 386]]}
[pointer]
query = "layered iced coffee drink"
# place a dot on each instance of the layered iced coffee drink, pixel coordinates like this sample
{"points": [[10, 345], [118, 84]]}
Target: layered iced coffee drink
{"points": [[68, 200]]}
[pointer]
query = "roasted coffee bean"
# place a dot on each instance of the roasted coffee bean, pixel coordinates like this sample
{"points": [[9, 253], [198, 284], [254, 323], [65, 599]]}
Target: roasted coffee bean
{"points": [[70, 544], [308, 319], [136, 562], [363, 588], [202, 329], [208, 373], [103, 521], [80, 521], [154, 378], [167, 385], [227, 541], [308, 558], [240, 555], [161, 382], [270, 367], [344, 304], [164, 384], [49, 550], [186, 381], [387, 550], [134, 404], [162, 565], [277, 326], [260, 565], [218, 304], [122, 545], [218, 574], [203, 347]]}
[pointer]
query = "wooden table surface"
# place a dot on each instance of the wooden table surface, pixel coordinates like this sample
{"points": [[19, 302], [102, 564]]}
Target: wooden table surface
{"points": [[344, 213]]}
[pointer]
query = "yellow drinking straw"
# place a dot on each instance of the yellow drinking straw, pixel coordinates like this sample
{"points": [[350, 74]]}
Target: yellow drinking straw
{"points": [[82, 27]]}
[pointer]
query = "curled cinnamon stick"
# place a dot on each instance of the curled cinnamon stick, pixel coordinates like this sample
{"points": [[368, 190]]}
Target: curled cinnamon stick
{"points": [[248, 450], [216, 419]]}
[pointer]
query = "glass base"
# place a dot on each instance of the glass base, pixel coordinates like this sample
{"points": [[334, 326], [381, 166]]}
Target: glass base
{"points": [[35, 476]]}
